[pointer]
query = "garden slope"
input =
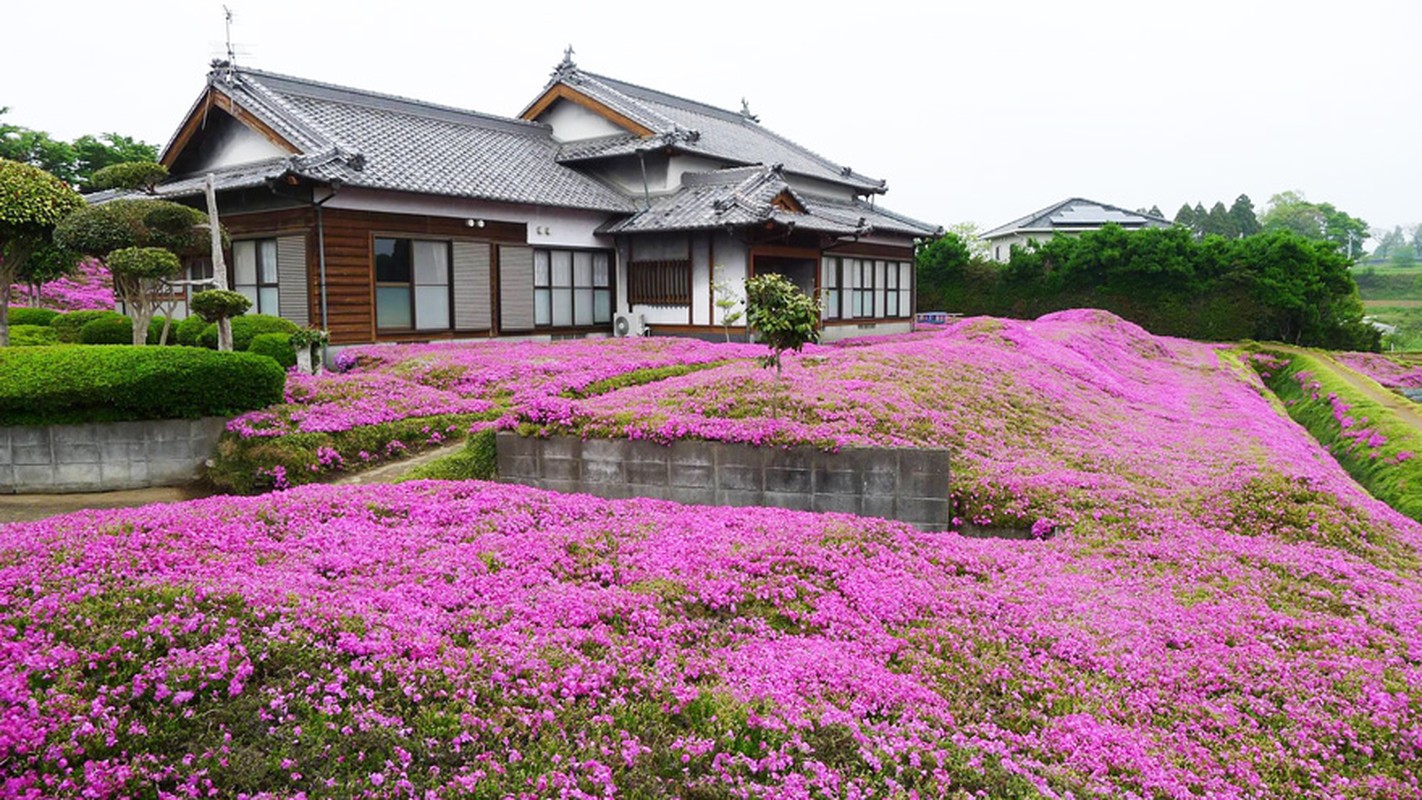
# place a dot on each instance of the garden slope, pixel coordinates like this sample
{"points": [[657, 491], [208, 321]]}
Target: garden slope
{"points": [[1221, 613]]}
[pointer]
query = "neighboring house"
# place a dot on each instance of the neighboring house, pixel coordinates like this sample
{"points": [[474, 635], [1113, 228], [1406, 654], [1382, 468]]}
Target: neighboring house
{"points": [[1067, 217], [382, 218]]}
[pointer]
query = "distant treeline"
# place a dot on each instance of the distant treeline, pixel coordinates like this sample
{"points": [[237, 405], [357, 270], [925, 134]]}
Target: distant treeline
{"points": [[1273, 286]]}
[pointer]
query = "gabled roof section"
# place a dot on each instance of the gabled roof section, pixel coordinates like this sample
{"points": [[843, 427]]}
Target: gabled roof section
{"points": [[382, 141], [1074, 214], [750, 196], [686, 125]]}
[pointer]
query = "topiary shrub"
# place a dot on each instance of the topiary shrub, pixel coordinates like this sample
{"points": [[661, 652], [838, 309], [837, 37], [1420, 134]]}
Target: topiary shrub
{"points": [[133, 175], [276, 346], [189, 331], [32, 335], [215, 304], [115, 329], [31, 316], [245, 328], [67, 385], [67, 326]]}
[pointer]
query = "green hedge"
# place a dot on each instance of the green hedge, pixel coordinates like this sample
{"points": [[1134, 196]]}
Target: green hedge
{"points": [[1392, 472], [32, 335], [189, 331], [31, 316], [116, 329], [276, 346], [65, 385], [67, 326], [246, 328]]}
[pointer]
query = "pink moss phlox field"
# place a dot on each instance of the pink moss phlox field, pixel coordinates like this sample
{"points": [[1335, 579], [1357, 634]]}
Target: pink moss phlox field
{"points": [[392, 382], [89, 288], [1078, 414], [483, 640], [1390, 372]]}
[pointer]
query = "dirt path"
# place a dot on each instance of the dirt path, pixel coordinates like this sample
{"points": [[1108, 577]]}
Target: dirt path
{"points": [[1405, 409], [26, 507], [387, 473]]}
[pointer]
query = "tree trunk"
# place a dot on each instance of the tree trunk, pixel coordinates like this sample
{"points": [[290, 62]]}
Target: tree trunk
{"points": [[219, 266], [224, 335], [4, 309]]}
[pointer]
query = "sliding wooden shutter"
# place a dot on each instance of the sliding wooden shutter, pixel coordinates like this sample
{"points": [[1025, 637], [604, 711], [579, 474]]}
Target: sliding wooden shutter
{"points": [[293, 302], [515, 289]]}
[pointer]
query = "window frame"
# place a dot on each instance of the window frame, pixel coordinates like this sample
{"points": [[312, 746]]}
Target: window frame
{"points": [[257, 263], [856, 280], [412, 285], [573, 288]]}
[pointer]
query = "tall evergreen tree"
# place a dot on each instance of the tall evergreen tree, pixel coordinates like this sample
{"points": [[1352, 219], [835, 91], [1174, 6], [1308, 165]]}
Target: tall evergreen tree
{"points": [[1155, 212], [1185, 217], [1202, 219], [1242, 216], [1218, 222]]}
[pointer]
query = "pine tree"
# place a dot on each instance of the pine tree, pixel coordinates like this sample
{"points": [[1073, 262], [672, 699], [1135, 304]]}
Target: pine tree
{"points": [[1155, 212], [1185, 217], [1219, 222], [1242, 216]]}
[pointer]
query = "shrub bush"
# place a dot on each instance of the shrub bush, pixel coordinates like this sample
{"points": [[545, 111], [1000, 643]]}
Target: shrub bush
{"points": [[189, 331], [115, 329], [155, 331], [215, 304], [244, 329], [276, 346], [67, 326], [66, 385], [31, 316], [32, 335]]}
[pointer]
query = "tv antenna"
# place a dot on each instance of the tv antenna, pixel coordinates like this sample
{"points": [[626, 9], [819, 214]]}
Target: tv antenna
{"points": [[231, 54]]}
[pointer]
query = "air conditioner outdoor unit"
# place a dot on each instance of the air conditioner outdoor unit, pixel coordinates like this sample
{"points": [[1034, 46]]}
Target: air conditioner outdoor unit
{"points": [[629, 325]]}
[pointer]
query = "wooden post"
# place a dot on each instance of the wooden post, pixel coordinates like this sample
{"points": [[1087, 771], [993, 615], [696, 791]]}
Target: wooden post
{"points": [[219, 266]]}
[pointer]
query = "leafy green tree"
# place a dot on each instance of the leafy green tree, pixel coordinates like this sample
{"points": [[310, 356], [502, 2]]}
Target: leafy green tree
{"points": [[1389, 242], [1242, 217], [782, 316], [32, 203], [132, 175], [1291, 211], [92, 154], [1155, 212], [940, 264]]}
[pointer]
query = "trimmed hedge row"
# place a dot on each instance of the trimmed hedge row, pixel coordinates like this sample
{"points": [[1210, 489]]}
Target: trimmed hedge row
{"points": [[1390, 471], [31, 316], [66, 385]]}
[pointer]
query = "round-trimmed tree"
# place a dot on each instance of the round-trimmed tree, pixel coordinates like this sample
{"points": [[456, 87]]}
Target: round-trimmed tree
{"points": [[32, 203], [782, 316], [139, 276]]}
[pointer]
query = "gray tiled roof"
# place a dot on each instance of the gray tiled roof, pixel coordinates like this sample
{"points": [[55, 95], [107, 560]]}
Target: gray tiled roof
{"points": [[386, 142], [705, 129], [743, 196], [1076, 213]]}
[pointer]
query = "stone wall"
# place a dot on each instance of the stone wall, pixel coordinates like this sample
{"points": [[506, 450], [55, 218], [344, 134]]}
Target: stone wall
{"points": [[905, 484], [105, 456]]}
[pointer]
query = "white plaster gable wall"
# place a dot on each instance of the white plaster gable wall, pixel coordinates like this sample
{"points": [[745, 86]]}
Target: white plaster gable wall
{"points": [[571, 122], [237, 144]]}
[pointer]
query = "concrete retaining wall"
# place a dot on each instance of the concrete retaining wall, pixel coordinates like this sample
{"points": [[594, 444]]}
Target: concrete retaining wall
{"points": [[105, 456], [905, 484]]}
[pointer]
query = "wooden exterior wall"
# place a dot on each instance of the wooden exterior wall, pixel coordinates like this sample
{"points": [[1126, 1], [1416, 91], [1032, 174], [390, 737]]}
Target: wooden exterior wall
{"points": [[350, 268]]}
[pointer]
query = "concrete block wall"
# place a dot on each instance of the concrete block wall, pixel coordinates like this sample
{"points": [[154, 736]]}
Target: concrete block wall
{"points": [[105, 456], [910, 485]]}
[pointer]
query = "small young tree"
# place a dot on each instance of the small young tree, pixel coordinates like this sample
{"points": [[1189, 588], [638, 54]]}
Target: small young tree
{"points": [[783, 317], [728, 300], [32, 202], [140, 275], [48, 263], [218, 306]]}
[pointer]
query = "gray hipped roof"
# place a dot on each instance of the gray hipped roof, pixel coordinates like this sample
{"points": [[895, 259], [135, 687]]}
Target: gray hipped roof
{"points": [[694, 127], [1074, 214], [382, 141], [743, 196]]}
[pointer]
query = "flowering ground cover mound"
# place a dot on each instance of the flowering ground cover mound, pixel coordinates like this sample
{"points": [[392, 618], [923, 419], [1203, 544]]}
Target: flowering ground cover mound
{"points": [[1394, 373], [388, 399], [89, 288], [1078, 415], [483, 640]]}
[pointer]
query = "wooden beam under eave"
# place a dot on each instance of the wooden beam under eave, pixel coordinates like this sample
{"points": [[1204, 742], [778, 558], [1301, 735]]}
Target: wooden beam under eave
{"points": [[564, 92], [198, 119]]}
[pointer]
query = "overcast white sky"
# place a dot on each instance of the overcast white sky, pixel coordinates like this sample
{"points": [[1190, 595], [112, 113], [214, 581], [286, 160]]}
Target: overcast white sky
{"points": [[973, 112]]}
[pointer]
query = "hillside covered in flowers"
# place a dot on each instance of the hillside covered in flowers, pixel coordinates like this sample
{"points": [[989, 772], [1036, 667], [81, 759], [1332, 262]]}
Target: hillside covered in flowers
{"points": [[1212, 608]]}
